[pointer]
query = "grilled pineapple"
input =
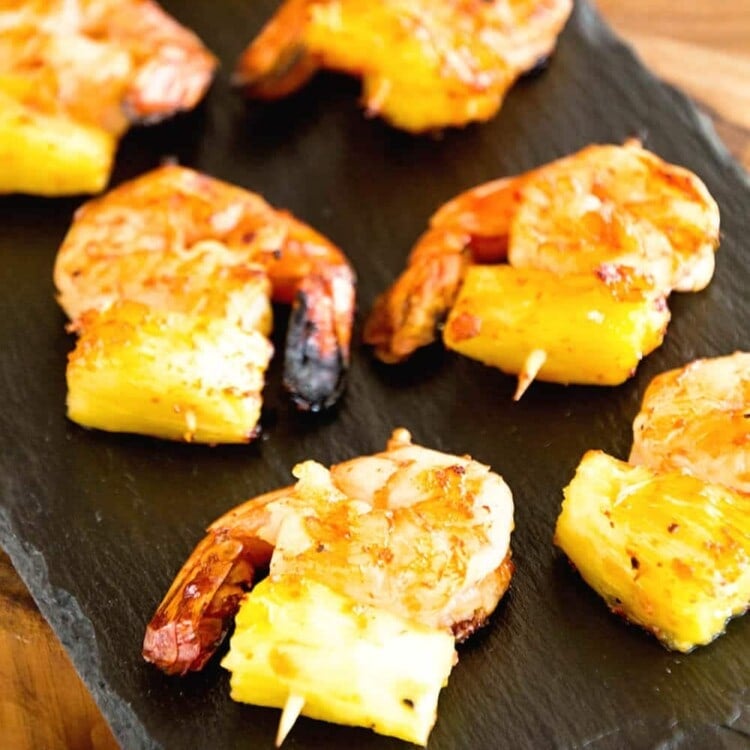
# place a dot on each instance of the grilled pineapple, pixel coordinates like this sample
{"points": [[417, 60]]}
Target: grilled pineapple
{"points": [[668, 551], [48, 153], [592, 330], [350, 663], [168, 374]]}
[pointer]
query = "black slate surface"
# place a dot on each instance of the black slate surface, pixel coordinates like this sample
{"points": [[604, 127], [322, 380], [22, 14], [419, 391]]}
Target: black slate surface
{"points": [[97, 525]]}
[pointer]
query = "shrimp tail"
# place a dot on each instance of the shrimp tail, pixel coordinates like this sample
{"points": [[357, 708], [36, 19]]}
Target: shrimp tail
{"points": [[318, 339], [164, 87], [194, 616], [277, 63], [407, 315], [175, 76], [472, 228]]}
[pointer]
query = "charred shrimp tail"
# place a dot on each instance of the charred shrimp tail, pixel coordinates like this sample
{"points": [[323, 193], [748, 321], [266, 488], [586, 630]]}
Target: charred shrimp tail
{"points": [[195, 614], [318, 339]]}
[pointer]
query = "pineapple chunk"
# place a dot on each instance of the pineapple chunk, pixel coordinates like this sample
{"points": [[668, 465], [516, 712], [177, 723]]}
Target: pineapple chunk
{"points": [[668, 551], [594, 329], [351, 663], [167, 374], [48, 153]]}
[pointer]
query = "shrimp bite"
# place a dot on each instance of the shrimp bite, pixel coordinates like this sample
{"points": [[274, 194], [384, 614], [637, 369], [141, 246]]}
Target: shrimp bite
{"points": [[696, 419], [618, 214], [667, 551], [424, 64], [665, 539], [202, 260], [392, 557], [75, 74]]}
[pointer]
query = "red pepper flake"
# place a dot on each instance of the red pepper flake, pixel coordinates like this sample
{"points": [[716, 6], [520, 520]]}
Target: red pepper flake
{"points": [[465, 326]]}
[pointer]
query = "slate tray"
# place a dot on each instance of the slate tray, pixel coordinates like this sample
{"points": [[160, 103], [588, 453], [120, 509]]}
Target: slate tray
{"points": [[97, 525]]}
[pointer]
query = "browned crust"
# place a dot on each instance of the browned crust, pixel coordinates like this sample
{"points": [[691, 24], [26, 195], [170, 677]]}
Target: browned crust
{"points": [[500, 578]]}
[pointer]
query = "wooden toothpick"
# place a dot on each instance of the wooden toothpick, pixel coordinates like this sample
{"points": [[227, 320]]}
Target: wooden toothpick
{"points": [[290, 714], [534, 362]]}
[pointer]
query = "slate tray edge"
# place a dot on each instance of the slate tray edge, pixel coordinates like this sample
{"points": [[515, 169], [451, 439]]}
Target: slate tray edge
{"points": [[74, 630]]}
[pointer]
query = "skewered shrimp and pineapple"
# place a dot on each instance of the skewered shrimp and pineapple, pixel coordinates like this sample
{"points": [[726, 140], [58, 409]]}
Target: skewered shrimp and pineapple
{"points": [[665, 539], [74, 74], [425, 64], [390, 556], [168, 280], [594, 244]]}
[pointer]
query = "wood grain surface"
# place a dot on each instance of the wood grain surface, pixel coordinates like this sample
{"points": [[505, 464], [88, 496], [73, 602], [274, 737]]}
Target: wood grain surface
{"points": [[703, 48]]}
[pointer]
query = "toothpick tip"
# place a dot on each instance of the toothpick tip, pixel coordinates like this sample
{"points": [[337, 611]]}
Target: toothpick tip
{"points": [[530, 369], [290, 713]]}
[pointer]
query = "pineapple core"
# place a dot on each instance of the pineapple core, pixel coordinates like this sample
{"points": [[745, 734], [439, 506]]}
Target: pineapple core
{"points": [[343, 661]]}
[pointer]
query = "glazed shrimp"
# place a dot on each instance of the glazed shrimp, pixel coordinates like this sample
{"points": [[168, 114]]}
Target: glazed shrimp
{"points": [[602, 208], [177, 240], [696, 419], [424, 65], [610, 206], [423, 534], [106, 63]]}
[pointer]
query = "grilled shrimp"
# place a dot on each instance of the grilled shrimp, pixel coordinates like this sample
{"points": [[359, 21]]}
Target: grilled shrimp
{"points": [[424, 64], [180, 241], [599, 209], [420, 533], [104, 62], [612, 205], [696, 419]]}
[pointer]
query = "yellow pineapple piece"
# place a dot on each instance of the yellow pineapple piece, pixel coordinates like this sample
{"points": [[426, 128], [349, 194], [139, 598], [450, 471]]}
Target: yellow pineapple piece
{"points": [[592, 329], [668, 551], [76, 157], [167, 374], [345, 662]]}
